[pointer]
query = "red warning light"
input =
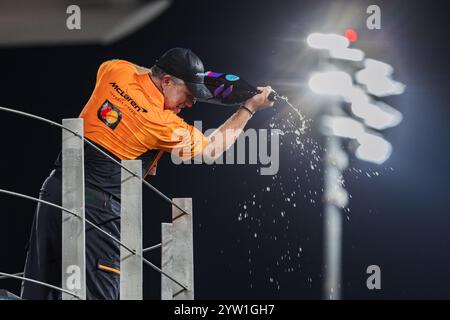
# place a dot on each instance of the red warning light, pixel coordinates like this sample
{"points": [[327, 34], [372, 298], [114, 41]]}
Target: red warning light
{"points": [[351, 35]]}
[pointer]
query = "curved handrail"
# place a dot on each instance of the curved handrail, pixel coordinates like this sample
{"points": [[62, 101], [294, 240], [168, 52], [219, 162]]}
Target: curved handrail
{"points": [[156, 246], [162, 195], [14, 274], [132, 251], [41, 283]]}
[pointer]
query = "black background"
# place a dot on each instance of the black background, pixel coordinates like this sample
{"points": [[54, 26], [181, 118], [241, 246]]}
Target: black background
{"points": [[398, 220]]}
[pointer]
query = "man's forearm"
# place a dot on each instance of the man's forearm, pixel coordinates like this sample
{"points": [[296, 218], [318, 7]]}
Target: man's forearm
{"points": [[225, 136]]}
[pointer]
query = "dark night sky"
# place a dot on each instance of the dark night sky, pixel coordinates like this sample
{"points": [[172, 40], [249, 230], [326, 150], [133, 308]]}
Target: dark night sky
{"points": [[398, 220]]}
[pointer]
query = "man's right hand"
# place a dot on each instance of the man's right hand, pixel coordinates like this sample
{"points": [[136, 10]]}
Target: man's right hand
{"points": [[260, 101]]}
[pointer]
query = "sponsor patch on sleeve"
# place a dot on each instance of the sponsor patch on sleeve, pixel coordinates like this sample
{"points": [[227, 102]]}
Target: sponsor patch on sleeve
{"points": [[109, 114]]}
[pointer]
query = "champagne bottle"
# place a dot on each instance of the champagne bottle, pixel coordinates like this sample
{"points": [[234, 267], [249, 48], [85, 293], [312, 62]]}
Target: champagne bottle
{"points": [[231, 90]]}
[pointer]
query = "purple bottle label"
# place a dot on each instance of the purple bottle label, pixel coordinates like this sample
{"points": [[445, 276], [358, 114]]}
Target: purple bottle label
{"points": [[218, 90], [227, 92]]}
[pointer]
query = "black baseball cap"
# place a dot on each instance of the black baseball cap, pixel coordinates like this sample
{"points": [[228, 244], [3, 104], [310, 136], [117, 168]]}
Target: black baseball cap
{"points": [[187, 66]]}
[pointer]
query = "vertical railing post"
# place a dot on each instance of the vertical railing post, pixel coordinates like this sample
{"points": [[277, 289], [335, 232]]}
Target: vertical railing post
{"points": [[166, 261], [131, 267], [73, 228], [180, 247]]}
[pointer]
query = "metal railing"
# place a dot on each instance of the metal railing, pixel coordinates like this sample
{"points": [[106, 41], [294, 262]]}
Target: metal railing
{"points": [[177, 240]]}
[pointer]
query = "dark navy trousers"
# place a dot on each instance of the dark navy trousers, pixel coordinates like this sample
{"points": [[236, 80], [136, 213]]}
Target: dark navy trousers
{"points": [[43, 261]]}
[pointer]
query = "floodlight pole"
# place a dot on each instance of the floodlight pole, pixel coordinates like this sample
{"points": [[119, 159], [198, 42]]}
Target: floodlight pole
{"points": [[335, 198]]}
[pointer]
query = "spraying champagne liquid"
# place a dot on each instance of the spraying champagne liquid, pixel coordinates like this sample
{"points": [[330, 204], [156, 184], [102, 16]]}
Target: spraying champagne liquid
{"points": [[232, 90]]}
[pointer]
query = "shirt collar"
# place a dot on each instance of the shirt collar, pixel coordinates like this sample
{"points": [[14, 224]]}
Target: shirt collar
{"points": [[150, 87]]}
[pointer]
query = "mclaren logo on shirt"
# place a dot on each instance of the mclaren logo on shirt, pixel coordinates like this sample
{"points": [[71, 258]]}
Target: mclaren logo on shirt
{"points": [[127, 97], [109, 114]]}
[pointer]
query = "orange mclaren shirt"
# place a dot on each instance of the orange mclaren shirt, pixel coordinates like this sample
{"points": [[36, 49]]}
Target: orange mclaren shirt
{"points": [[125, 117]]}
